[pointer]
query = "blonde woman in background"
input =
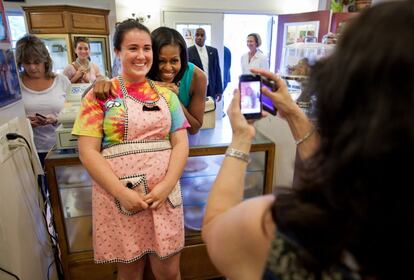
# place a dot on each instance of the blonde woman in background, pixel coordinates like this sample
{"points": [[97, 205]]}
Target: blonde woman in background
{"points": [[254, 58], [43, 92]]}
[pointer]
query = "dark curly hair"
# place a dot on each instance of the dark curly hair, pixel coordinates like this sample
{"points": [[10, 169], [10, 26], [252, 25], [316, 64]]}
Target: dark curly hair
{"points": [[354, 194], [163, 36], [30, 49]]}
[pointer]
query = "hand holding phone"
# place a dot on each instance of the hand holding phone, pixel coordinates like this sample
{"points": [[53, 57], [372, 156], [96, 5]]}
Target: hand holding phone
{"points": [[43, 120], [250, 96], [40, 116]]}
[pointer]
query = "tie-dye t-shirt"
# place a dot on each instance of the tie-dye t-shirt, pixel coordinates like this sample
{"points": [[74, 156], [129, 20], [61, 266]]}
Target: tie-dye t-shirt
{"points": [[96, 120]]}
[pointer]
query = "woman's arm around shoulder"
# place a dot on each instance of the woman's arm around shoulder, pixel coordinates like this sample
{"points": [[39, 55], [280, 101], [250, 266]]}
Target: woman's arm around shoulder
{"points": [[239, 239], [195, 111]]}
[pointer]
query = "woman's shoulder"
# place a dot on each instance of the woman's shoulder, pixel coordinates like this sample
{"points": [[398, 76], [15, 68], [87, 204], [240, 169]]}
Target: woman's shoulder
{"points": [[199, 74], [260, 54], [61, 82], [191, 66], [61, 77], [69, 68]]}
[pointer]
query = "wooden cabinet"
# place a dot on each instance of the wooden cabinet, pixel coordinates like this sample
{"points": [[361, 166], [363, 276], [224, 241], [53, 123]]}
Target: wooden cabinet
{"points": [[70, 191], [66, 19]]}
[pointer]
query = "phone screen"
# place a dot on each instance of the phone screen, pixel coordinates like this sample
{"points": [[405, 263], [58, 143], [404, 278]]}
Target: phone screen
{"points": [[250, 99]]}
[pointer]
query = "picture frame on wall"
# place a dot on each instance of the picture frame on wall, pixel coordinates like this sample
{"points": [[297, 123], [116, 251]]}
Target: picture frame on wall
{"points": [[339, 20], [4, 30]]}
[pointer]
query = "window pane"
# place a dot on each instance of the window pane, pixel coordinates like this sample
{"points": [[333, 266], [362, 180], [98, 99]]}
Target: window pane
{"points": [[17, 27]]}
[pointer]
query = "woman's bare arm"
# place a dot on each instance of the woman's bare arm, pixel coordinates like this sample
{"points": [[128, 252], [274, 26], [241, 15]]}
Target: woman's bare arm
{"points": [[195, 111], [243, 230]]}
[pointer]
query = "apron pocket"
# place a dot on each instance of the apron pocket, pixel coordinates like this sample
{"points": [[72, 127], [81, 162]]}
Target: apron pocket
{"points": [[137, 183], [175, 198]]}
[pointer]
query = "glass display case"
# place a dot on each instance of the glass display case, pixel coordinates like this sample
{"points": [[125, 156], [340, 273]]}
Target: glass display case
{"points": [[70, 189]]}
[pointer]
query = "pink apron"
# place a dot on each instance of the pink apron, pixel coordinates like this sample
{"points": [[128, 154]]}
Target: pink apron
{"points": [[140, 163]]}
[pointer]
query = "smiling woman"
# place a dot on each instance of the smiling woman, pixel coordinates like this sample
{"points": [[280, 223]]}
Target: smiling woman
{"points": [[134, 146], [172, 66], [82, 70]]}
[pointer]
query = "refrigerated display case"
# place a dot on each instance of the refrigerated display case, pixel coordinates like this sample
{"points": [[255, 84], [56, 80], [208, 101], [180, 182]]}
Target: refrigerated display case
{"points": [[70, 190]]}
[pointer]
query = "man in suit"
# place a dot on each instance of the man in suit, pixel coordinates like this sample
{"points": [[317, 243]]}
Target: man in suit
{"points": [[207, 59]]}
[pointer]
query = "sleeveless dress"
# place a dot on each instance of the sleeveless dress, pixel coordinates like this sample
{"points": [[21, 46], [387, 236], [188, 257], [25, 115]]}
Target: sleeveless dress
{"points": [[134, 127], [185, 83]]}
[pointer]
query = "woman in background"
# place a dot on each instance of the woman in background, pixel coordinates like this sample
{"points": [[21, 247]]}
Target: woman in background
{"points": [[254, 58], [43, 92], [82, 70]]}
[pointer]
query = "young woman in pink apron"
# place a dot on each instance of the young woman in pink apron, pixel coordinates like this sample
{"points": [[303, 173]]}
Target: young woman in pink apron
{"points": [[134, 145]]}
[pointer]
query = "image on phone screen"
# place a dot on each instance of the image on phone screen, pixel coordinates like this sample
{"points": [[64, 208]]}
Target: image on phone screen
{"points": [[250, 99]]}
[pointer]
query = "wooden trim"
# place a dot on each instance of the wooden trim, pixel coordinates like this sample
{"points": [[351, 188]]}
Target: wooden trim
{"points": [[60, 8]]}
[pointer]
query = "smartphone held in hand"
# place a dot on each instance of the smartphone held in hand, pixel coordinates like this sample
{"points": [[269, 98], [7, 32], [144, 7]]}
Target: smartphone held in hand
{"points": [[250, 96], [267, 103], [40, 116]]}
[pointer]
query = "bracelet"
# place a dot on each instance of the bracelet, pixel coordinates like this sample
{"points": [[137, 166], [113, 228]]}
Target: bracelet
{"points": [[231, 152], [306, 136]]}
